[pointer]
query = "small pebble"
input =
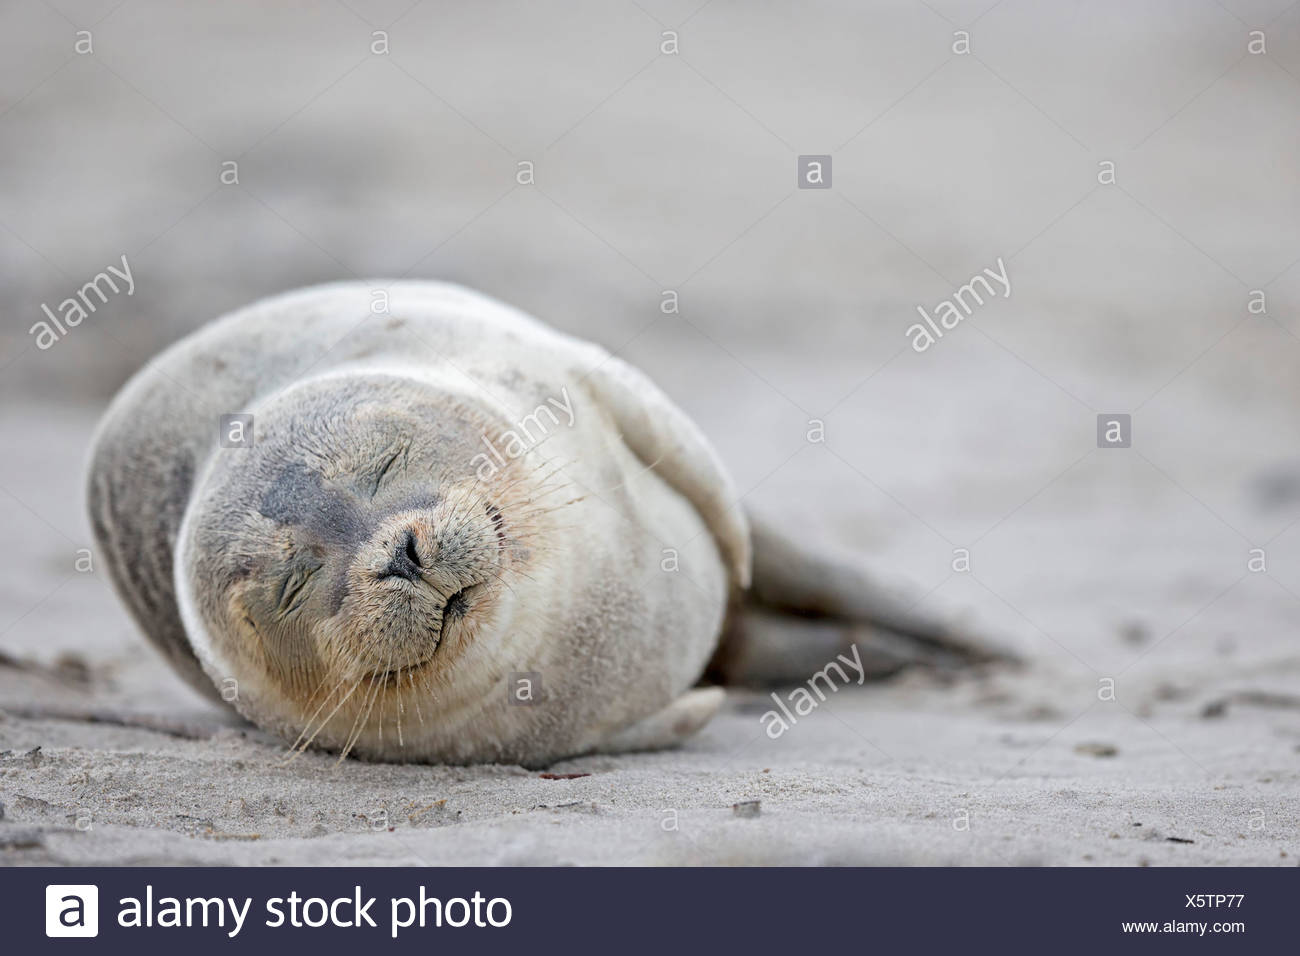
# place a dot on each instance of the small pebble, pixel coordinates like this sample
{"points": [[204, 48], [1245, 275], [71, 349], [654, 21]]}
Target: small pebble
{"points": [[1215, 708], [1135, 632], [24, 838], [1096, 749], [1167, 691]]}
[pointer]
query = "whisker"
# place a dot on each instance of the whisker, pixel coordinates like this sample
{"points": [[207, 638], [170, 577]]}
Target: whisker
{"points": [[388, 667], [318, 709], [307, 743], [359, 722], [416, 698]]}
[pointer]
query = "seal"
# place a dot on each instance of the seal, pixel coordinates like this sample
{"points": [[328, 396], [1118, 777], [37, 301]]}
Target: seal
{"points": [[404, 521]]}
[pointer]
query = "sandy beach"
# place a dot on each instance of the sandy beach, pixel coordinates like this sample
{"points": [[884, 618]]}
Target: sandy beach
{"points": [[1152, 591]]}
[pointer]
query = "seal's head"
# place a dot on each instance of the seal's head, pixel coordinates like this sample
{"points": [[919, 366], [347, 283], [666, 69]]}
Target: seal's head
{"points": [[355, 573]]}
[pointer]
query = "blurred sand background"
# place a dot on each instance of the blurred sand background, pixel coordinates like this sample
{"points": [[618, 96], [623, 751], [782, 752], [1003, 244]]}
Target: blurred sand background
{"points": [[677, 171]]}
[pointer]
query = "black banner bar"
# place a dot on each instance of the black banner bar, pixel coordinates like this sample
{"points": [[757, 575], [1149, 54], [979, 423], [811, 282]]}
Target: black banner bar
{"points": [[152, 910]]}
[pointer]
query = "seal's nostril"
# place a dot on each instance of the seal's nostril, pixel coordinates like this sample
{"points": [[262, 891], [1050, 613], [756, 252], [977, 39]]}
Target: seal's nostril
{"points": [[405, 560]]}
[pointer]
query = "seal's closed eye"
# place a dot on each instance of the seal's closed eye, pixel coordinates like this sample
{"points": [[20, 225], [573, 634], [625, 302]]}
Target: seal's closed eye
{"points": [[292, 594], [391, 461]]}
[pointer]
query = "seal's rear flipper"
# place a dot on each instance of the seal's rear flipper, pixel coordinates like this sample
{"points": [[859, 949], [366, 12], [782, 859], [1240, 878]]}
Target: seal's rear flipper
{"points": [[804, 608], [670, 726]]}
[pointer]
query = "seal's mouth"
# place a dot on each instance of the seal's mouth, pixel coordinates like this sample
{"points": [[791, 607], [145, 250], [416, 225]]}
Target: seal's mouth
{"points": [[460, 603], [393, 676], [457, 605]]}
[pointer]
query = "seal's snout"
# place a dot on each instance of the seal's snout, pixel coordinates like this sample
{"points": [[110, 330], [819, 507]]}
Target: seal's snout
{"points": [[405, 561], [417, 590]]}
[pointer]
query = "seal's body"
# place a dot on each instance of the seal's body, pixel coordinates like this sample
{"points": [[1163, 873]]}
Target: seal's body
{"points": [[406, 521], [448, 533]]}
